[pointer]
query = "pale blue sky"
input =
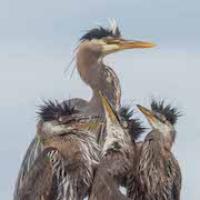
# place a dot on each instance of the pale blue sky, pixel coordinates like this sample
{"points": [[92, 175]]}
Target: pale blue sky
{"points": [[37, 40]]}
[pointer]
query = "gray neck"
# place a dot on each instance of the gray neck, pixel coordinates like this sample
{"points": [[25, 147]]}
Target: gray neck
{"points": [[100, 78], [169, 138]]}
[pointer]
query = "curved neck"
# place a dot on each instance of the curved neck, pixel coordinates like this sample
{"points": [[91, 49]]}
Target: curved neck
{"points": [[100, 78]]}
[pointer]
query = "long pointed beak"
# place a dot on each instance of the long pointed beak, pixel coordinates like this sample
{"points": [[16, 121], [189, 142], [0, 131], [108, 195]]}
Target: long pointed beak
{"points": [[130, 44], [109, 112], [148, 114]]}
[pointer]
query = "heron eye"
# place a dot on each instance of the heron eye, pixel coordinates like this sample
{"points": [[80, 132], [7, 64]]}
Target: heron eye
{"points": [[124, 123], [160, 117]]}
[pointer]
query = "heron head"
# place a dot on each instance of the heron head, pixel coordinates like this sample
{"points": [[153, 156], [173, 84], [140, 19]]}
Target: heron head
{"points": [[161, 117], [156, 120], [116, 137], [104, 41]]}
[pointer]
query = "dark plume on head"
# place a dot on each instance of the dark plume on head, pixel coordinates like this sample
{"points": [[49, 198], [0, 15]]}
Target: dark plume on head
{"points": [[101, 32], [135, 127], [171, 113], [52, 110]]}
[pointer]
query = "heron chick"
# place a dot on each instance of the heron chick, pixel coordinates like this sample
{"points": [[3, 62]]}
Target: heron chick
{"points": [[158, 175], [117, 158]]}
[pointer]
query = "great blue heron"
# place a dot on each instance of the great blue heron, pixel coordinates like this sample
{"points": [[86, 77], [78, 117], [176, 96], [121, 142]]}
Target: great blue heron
{"points": [[158, 175], [69, 172], [117, 158], [93, 47]]}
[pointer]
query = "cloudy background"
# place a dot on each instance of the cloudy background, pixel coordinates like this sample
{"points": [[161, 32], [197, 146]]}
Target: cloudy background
{"points": [[37, 39]]}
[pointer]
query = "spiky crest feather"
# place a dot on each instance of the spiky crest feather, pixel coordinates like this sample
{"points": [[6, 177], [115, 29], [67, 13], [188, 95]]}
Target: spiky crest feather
{"points": [[52, 110], [134, 125], [170, 113], [101, 32]]}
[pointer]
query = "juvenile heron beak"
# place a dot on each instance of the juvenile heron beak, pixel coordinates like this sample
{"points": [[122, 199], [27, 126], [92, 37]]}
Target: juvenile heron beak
{"points": [[109, 112], [148, 114]]}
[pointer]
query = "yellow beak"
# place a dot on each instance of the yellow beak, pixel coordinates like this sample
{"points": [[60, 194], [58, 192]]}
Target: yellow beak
{"points": [[114, 45], [148, 114], [109, 112], [130, 44]]}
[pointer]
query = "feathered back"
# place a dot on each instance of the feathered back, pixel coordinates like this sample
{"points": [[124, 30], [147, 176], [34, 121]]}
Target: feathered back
{"points": [[52, 110], [134, 125], [100, 32], [170, 113]]}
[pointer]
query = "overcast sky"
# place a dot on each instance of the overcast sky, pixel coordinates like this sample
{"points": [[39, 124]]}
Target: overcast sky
{"points": [[37, 39]]}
